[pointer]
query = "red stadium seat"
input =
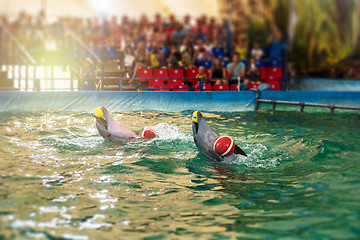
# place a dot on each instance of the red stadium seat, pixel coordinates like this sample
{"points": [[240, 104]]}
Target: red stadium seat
{"points": [[161, 73], [251, 86], [181, 88], [274, 83], [156, 83], [226, 73], [234, 87], [144, 73], [262, 72], [274, 72], [159, 85], [221, 87], [207, 72], [173, 74], [191, 74], [174, 83], [176, 73], [206, 87]]}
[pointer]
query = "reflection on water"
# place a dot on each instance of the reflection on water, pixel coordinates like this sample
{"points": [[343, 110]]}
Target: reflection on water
{"points": [[60, 179]]}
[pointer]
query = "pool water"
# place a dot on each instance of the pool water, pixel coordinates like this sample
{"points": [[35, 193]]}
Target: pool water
{"points": [[60, 180]]}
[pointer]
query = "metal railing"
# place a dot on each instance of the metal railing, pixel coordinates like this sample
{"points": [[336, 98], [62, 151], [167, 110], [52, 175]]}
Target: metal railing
{"points": [[302, 105], [15, 58]]}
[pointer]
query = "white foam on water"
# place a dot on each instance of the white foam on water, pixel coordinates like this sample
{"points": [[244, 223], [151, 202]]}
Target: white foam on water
{"points": [[165, 131]]}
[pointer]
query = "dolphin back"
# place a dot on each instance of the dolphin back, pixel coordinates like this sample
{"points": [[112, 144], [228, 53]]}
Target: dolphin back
{"points": [[204, 137]]}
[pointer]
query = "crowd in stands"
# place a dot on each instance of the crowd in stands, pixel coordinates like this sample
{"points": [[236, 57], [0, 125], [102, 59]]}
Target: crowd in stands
{"points": [[164, 44]]}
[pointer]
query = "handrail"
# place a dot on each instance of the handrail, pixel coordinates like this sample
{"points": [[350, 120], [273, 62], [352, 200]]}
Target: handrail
{"points": [[20, 47]]}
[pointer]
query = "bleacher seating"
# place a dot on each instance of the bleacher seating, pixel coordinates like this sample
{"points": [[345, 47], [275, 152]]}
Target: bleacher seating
{"points": [[181, 88], [161, 73], [207, 72], [205, 87], [176, 73], [274, 72], [274, 83], [109, 52], [173, 83], [206, 64], [221, 87], [253, 86], [225, 63], [260, 63], [157, 85], [192, 72], [219, 52], [144, 73], [234, 87], [95, 50]]}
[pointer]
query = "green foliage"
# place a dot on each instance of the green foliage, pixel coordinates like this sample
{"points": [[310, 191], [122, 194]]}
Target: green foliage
{"points": [[319, 37]]}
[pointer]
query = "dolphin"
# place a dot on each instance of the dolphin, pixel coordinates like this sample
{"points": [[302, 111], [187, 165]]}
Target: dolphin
{"points": [[111, 129], [204, 137]]}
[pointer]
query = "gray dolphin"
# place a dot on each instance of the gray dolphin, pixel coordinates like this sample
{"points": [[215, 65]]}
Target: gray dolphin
{"points": [[111, 129], [204, 137]]}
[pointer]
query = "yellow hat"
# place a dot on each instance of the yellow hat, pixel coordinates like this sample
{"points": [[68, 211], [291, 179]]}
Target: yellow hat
{"points": [[194, 116], [98, 112]]}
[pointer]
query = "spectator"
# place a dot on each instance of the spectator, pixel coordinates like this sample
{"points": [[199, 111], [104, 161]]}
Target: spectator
{"points": [[128, 51], [174, 57], [202, 76], [252, 71], [256, 52], [241, 47], [87, 77], [276, 46], [140, 56], [156, 57], [203, 52], [236, 69], [218, 72], [244, 86], [189, 57], [178, 34], [187, 24]]}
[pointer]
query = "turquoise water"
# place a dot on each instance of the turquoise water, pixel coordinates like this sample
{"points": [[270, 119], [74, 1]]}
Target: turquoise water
{"points": [[60, 180]]}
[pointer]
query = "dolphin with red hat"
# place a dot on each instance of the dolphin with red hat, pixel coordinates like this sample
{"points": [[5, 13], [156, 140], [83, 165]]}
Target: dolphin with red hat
{"points": [[113, 130], [210, 143]]}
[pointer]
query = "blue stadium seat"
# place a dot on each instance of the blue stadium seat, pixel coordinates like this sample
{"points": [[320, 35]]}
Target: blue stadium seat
{"points": [[76, 52], [245, 62], [219, 52], [109, 52], [274, 63], [225, 63], [260, 63], [206, 64], [95, 50], [165, 50]]}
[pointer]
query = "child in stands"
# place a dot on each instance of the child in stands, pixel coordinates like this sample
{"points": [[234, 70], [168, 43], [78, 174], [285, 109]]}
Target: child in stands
{"points": [[202, 76]]}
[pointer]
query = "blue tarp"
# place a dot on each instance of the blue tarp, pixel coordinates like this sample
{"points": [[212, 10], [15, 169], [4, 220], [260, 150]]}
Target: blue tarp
{"points": [[128, 101], [227, 101]]}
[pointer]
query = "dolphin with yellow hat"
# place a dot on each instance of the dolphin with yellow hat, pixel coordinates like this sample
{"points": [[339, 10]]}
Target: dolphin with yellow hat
{"points": [[113, 130], [210, 143]]}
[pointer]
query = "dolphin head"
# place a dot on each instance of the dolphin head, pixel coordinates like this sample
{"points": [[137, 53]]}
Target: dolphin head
{"points": [[101, 124], [111, 129]]}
